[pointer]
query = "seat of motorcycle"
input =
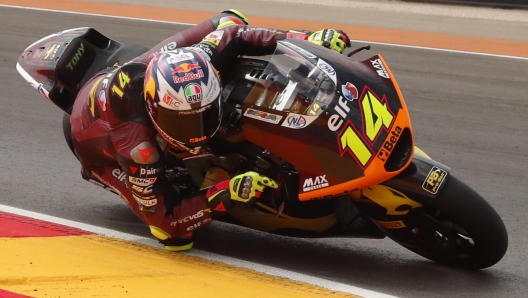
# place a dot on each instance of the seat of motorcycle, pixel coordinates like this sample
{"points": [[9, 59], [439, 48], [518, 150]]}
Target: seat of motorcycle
{"points": [[83, 57]]}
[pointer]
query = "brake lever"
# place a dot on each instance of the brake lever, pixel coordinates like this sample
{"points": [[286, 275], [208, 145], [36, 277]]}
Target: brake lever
{"points": [[367, 47]]}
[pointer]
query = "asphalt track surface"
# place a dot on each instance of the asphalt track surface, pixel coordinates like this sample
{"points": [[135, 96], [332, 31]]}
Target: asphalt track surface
{"points": [[468, 112]]}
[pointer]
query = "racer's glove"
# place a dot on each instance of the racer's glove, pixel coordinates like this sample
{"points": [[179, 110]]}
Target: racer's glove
{"points": [[245, 188], [248, 187], [329, 38]]}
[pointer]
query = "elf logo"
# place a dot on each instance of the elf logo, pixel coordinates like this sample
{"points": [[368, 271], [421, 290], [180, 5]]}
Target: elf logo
{"points": [[119, 175], [169, 47], [315, 183], [198, 224]]}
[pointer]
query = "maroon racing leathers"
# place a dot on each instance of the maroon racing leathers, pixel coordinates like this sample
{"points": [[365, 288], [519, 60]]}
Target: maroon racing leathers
{"points": [[115, 140]]}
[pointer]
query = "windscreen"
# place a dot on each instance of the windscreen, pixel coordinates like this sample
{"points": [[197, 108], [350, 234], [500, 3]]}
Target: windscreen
{"points": [[292, 83]]}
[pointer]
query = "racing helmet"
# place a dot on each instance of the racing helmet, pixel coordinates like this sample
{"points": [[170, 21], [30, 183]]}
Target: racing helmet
{"points": [[182, 93]]}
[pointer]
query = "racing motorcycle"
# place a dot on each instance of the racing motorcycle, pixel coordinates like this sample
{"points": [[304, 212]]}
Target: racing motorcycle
{"points": [[333, 131]]}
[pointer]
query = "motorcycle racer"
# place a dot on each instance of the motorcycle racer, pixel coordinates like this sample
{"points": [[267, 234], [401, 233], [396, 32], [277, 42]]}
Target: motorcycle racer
{"points": [[126, 117]]}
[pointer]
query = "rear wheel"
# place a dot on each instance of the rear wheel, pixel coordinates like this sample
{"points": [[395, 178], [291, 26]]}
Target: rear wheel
{"points": [[461, 229]]}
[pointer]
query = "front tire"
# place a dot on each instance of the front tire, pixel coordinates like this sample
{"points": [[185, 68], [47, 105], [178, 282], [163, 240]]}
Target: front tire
{"points": [[466, 230]]}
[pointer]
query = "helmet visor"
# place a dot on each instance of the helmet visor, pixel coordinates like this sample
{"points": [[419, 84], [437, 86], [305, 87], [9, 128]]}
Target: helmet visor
{"points": [[193, 127]]}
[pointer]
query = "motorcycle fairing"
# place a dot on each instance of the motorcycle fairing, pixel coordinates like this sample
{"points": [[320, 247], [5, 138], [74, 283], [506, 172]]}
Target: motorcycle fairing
{"points": [[368, 136]]}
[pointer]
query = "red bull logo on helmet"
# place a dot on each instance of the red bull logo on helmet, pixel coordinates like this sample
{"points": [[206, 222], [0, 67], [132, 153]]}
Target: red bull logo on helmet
{"points": [[185, 67], [188, 72]]}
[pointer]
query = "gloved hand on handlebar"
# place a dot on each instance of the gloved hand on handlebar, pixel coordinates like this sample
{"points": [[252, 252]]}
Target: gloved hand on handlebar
{"points": [[336, 40], [330, 38], [245, 188]]}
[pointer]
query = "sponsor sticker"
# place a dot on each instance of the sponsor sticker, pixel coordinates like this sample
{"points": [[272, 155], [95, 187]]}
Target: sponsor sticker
{"points": [[142, 190], [188, 77], [198, 224], [391, 224], [174, 58], [193, 93], [388, 145], [51, 51], [146, 202], [120, 175], [262, 116], [315, 183], [187, 218], [185, 68], [329, 70], [380, 68], [102, 100], [434, 180], [76, 57], [146, 171], [214, 37], [144, 153], [169, 47], [142, 181], [350, 92], [297, 121]]}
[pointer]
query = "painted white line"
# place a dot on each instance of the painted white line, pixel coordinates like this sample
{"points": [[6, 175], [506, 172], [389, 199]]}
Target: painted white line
{"points": [[95, 15], [438, 49], [189, 24], [324, 283]]}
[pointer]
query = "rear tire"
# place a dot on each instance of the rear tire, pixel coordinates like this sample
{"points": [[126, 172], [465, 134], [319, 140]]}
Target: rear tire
{"points": [[468, 232]]}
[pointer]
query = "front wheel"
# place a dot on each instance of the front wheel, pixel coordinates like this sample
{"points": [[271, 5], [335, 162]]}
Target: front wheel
{"points": [[461, 229]]}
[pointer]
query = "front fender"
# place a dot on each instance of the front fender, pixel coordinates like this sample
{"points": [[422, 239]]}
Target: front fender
{"points": [[422, 180]]}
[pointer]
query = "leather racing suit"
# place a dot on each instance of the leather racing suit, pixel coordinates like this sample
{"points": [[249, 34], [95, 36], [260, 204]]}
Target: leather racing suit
{"points": [[115, 141]]}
